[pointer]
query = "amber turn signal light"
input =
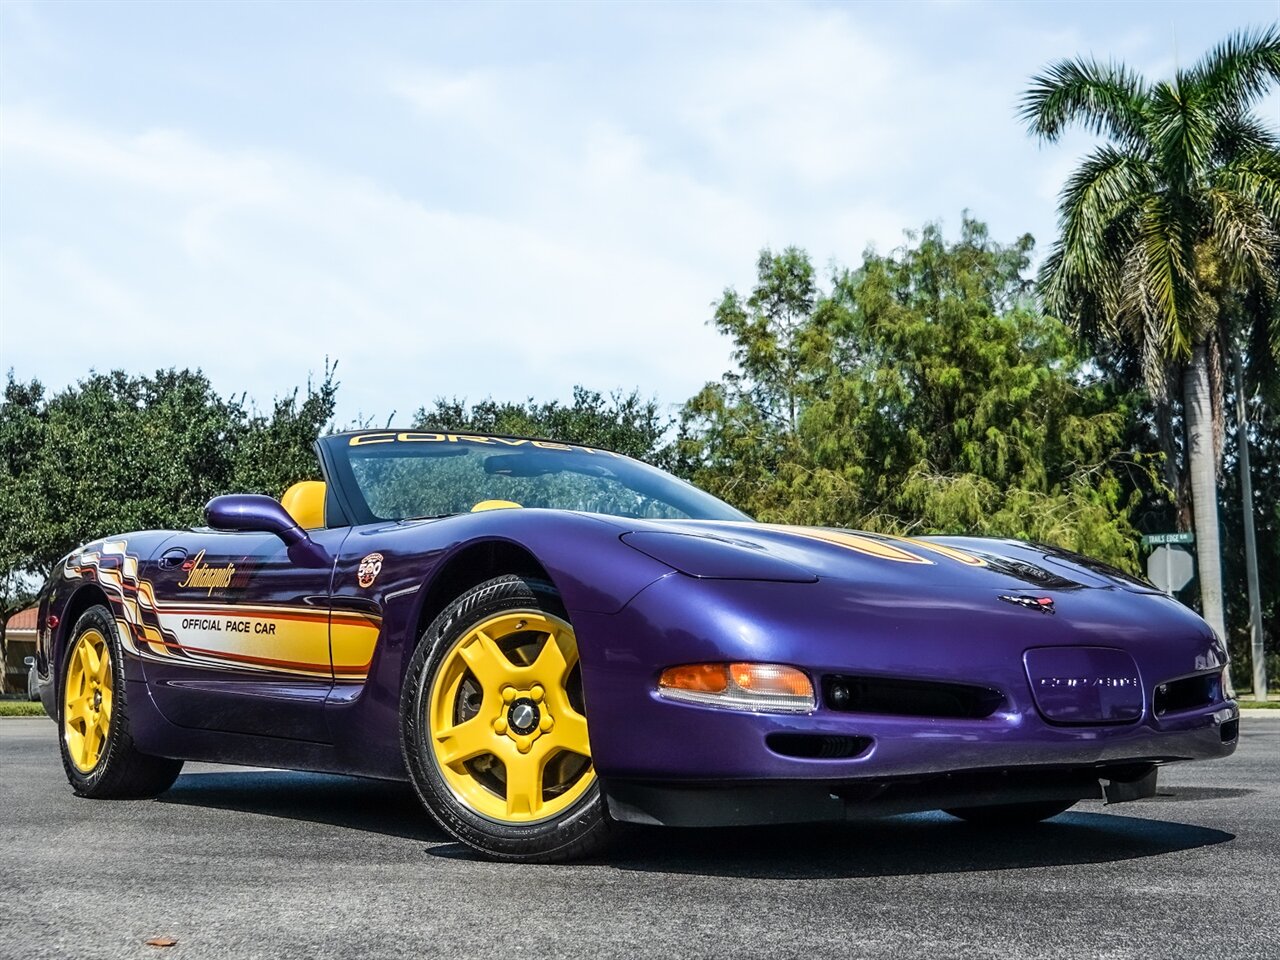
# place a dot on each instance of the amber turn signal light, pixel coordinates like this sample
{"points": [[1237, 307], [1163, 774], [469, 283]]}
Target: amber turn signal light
{"points": [[703, 677], [771, 678], [740, 686]]}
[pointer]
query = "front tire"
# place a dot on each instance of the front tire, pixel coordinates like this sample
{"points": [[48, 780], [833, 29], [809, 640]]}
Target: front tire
{"points": [[93, 717], [493, 726]]}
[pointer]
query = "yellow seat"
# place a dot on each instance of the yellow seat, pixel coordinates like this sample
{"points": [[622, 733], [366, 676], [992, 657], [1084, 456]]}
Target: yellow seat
{"points": [[494, 505], [304, 501]]}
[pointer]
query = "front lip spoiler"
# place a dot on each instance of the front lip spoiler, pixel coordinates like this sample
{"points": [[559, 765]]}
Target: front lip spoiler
{"points": [[730, 804]]}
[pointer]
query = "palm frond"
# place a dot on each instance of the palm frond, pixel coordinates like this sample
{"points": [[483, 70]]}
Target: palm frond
{"points": [[1081, 302], [1253, 176], [1244, 241], [1081, 277], [1183, 135], [1108, 183], [1243, 133], [1103, 98], [1236, 72], [1139, 320], [1168, 258]]}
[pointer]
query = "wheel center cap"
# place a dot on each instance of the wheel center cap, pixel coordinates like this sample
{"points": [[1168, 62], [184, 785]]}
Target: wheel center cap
{"points": [[97, 699], [523, 716]]}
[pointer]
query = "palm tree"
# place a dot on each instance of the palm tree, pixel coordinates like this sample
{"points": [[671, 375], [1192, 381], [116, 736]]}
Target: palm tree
{"points": [[1178, 210]]}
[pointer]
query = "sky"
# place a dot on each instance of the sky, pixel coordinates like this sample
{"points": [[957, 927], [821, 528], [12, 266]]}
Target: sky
{"points": [[500, 199]]}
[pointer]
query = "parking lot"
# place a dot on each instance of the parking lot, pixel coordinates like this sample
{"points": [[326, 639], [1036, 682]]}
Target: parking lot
{"points": [[244, 863]]}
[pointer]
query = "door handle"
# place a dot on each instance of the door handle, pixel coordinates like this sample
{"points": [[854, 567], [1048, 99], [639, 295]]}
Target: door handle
{"points": [[173, 556]]}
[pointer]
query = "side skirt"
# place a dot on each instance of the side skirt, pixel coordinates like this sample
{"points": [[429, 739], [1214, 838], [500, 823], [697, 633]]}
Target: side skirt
{"points": [[158, 737]]}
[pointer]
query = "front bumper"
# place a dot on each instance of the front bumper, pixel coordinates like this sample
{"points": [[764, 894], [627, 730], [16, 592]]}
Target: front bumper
{"points": [[735, 803], [641, 738]]}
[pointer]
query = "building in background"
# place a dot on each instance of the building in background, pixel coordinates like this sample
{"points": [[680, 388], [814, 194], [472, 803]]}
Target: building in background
{"points": [[19, 643]]}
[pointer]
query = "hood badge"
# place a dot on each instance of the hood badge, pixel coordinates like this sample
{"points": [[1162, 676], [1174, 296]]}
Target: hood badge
{"points": [[1043, 604]]}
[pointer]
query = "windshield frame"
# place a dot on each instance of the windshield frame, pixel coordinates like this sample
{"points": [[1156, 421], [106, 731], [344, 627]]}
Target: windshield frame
{"points": [[334, 451]]}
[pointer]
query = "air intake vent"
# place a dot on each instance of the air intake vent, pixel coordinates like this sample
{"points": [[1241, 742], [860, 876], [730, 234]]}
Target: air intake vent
{"points": [[817, 747], [1188, 693], [909, 698]]}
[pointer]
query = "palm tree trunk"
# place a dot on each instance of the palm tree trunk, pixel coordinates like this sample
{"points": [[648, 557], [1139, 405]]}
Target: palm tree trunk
{"points": [[1203, 467]]}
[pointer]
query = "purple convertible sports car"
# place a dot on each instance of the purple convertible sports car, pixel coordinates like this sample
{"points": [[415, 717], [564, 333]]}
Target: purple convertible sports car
{"points": [[548, 640]]}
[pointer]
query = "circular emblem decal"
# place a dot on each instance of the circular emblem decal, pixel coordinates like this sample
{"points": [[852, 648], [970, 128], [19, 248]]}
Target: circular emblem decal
{"points": [[369, 569]]}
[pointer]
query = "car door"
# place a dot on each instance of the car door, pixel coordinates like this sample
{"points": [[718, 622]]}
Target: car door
{"points": [[244, 630]]}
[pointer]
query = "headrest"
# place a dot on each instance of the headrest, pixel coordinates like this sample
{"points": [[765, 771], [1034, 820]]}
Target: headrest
{"points": [[494, 505], [304, 501]]}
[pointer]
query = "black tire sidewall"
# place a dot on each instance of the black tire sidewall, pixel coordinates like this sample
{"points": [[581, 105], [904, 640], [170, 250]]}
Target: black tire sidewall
{"points": [[98, 618], [576, 830]]}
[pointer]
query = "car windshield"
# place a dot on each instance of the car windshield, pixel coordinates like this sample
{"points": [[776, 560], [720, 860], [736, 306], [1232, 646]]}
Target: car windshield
{"points": [[406, 475]]}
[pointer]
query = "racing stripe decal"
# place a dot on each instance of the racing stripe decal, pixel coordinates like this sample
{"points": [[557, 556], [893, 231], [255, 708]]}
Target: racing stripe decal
{"points": [[869, 546], [352, 638], [282, 638], [968, 559], [301, 641]]}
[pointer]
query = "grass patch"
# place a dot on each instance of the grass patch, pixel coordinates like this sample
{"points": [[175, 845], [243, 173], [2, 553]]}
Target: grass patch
{"points": [[20, 708], [1248, 704]]}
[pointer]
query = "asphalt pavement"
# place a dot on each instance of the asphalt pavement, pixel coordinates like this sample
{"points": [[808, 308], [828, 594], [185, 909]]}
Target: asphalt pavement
{"points": [[235, 863]]}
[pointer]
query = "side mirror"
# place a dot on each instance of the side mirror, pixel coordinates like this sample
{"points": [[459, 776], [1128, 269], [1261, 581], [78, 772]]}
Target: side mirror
{"points": [[253, 513], [28, 661]]}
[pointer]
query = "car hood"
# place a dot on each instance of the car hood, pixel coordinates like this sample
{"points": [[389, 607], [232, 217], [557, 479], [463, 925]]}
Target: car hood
{"points": [[745, 550]]}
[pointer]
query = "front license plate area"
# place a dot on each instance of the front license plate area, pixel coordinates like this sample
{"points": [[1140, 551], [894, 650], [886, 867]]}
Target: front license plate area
{"points": [[1084, 684]]}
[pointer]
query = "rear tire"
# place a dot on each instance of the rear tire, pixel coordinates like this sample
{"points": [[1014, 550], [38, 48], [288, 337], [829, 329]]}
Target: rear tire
{"points": [[1012, 814], [493, 728], [93, 719]]}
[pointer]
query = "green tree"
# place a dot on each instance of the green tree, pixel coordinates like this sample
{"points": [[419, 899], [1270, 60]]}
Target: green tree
{"points": [[117, 452], [274, 451], [20, 433], [625, 423], [924, 393], [1176, 212], [1264, 446]]}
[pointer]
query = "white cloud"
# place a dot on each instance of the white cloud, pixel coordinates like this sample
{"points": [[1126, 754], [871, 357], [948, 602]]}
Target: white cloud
{"points": [[508, 214], [807, 95], [245, 263]]}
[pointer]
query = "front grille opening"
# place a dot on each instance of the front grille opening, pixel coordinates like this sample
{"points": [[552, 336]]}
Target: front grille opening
{"points": [[810, 746], [1230, 730], [1187, 693], [909, 698]]}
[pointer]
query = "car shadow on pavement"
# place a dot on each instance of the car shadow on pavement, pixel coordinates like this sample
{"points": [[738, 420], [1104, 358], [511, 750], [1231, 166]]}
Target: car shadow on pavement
{"points": [[375, 806], [926, 843]]}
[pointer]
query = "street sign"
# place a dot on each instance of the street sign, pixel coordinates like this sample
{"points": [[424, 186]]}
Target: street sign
{"points": [[1155, 539], [1169, 568]]}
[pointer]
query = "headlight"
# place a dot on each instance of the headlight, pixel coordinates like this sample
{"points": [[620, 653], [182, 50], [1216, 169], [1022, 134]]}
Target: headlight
{"points": [[768, 687]]}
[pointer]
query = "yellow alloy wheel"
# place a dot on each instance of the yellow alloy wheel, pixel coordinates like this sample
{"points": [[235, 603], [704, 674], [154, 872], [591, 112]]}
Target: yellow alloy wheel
{"points": [[507, 730], [86, 704]]}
